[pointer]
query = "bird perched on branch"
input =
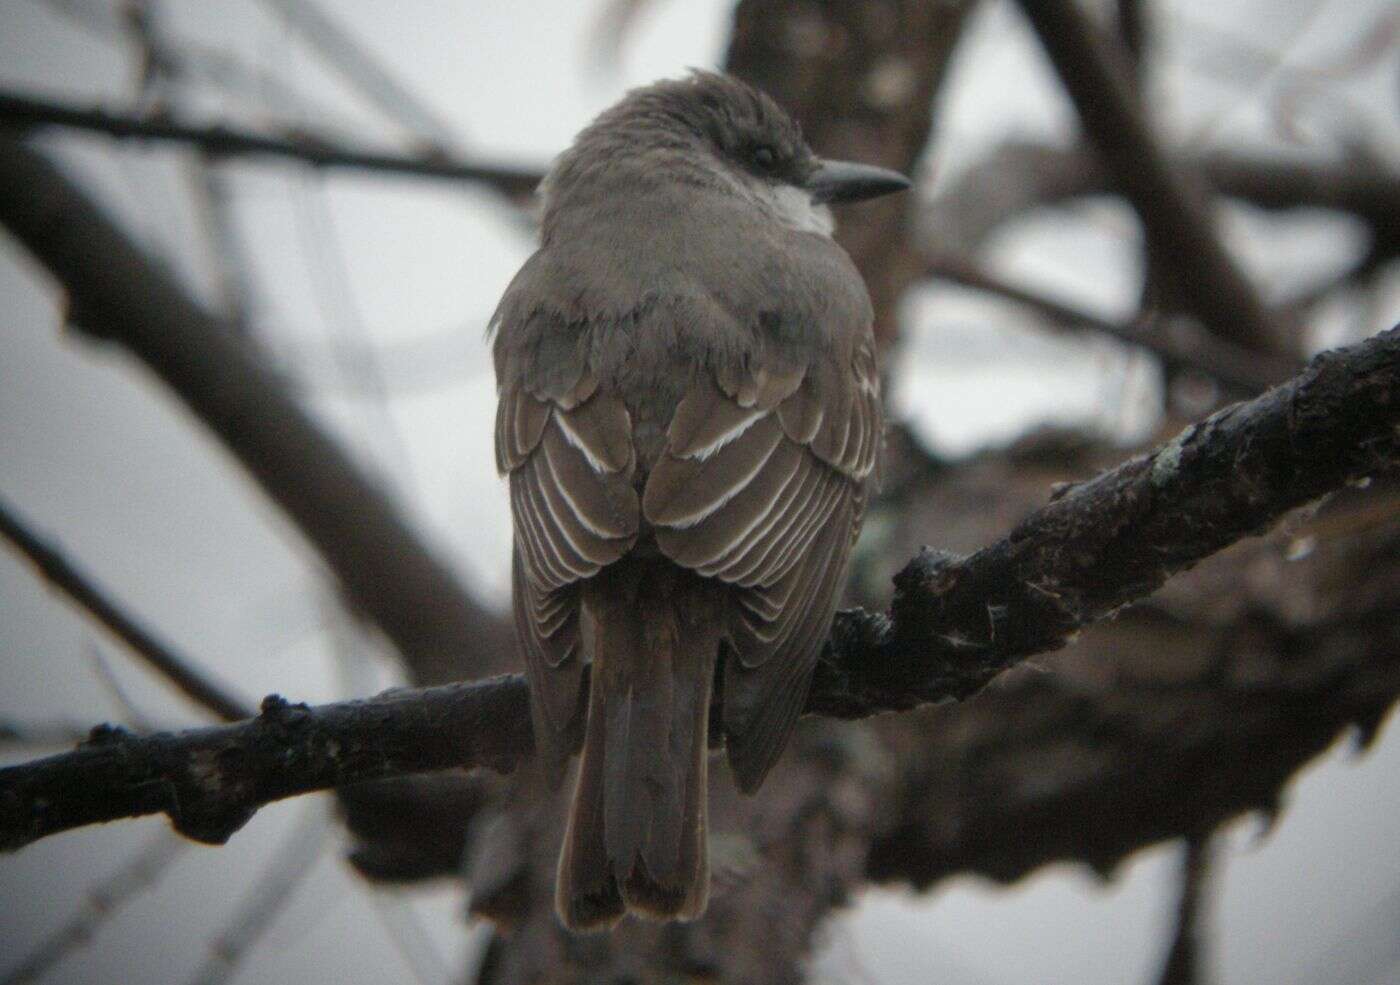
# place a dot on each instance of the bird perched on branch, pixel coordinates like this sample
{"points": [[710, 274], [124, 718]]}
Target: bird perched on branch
{"points": [[690, 419]]}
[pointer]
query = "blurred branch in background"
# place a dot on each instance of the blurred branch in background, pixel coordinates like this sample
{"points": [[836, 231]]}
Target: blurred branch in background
{"points": [[104, 900], [226, 142], [1185, 963], [191, 61], [1019, 177], [383, 568], [1178, 348], [164, 81], [954, 625], [1255, 69], [1135, 29], [1177, 227], [267, 896], [365, 74]]}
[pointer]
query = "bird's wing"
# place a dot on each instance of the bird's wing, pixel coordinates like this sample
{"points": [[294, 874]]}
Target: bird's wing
{"points": [[762, 485], [570, 461]]}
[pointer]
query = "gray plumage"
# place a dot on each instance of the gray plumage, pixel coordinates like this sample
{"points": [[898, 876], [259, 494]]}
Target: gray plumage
{"points": [[690, 420]]}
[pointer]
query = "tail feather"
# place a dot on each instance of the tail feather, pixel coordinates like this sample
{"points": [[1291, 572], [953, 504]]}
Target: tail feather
{"points": [[637, 826], [587, 894]]}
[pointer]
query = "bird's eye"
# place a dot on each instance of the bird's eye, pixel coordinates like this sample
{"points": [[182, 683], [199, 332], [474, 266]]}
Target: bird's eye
{"points": [[764, 156]]}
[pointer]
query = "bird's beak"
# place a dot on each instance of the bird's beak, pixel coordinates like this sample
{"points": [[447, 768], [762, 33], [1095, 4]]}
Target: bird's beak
{"points": [[842, 181]]}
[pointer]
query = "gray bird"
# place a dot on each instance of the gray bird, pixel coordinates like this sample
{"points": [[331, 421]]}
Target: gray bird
{"points": [[690, 420]]}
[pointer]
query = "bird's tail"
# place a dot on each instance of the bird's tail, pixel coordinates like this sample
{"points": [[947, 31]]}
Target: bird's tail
{"points": [[636, 837]]}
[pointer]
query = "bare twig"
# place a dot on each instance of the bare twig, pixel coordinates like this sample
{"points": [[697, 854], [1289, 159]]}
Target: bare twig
{"points": [[132, 716], [410, 938], [164, 658], [199, 62], [358, 363], [1248, 372], [1184, 962], [363, 72], [211, 781], [1178, 230], [265, 899], [226, 142], [384, 570], [163, 70], [212, 201], [954, 625], [142, 871]]}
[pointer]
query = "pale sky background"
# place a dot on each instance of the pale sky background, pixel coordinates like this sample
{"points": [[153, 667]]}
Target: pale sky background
{"points": [[407, 270]]}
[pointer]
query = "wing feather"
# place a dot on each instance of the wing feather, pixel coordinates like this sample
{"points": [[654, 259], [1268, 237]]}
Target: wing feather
{"points": [[681, 492], [762, 702], [601, 430], [732, 525], [520, 421], [761, 485], [743, 564], [605, 505], [570, 462], [706, 420]]}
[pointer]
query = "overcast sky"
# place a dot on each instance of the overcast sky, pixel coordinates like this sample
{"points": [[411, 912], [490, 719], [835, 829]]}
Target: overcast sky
{"points": [[408, 271]]}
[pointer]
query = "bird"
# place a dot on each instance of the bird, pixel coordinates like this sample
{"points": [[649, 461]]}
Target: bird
{"points": [[689, 419]]}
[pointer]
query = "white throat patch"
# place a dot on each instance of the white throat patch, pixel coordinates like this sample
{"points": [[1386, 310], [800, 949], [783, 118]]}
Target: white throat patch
{"points": [[790, 205], [794, 207]]}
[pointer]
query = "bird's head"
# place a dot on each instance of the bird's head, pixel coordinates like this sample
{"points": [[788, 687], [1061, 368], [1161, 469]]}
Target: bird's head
{"points": [[715, 133]]}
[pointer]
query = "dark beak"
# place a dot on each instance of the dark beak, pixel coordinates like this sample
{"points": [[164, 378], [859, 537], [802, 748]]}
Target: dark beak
{"points": [[842, 181]]}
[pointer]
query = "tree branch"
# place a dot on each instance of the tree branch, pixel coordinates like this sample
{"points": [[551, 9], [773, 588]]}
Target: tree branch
{"points": [[954, 625], [1018, 177], [1248, 372], [180, 671], [1149, 730], [1363, 187], [1185, 963], [362, 72], [118, 294], [211, 781], [1098, 545], [1174, 219], [222, 141]]}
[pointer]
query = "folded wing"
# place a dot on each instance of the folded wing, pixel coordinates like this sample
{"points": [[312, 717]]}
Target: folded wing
{"points": [[570, 461], [762, 485]]}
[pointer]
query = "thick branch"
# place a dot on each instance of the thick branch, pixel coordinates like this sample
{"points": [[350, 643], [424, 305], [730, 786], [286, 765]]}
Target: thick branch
{"points": [[1150, 730], [118, 294], [954, 625], [222, 141], [1177, 227], [1103, 543]]}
